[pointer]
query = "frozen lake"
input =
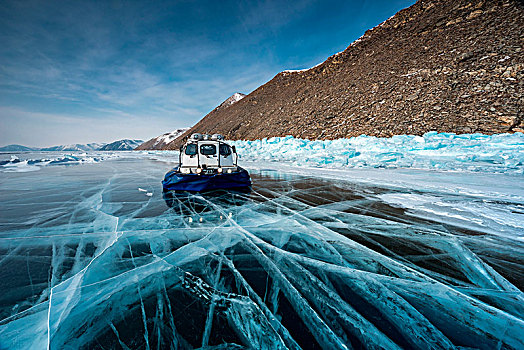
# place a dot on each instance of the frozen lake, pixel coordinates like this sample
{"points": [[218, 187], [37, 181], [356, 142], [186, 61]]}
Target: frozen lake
{"points": [[93, 255]]}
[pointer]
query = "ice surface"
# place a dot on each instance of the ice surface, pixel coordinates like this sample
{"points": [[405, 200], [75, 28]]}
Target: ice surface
{"points": [[25, 162], [374, 258], [444, 151]]}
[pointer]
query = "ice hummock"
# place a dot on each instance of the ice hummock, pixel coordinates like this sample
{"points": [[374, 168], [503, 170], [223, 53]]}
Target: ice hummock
{"points": [[87, 260], [442, 151], [502, 153], [27, 162]]}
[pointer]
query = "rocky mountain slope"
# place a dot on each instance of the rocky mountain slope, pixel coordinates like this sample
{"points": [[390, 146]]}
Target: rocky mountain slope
{"points": [[440, 65], [160, 142], [237, 96]]}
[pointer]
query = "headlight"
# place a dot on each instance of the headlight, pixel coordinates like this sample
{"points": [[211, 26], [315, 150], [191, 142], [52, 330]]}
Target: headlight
{"points": [[199, 170], [229, 171], [219, 170]]}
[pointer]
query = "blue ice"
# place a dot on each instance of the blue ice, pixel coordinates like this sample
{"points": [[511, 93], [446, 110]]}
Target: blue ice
{"points": [[379, 245], [444, 151]]}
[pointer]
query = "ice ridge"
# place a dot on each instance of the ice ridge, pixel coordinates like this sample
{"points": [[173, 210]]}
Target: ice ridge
{"points": [[35, 162], [502, 153]]}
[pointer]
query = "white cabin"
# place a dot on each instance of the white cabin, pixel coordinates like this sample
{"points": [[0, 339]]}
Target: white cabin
{"points": [[205, 154]]}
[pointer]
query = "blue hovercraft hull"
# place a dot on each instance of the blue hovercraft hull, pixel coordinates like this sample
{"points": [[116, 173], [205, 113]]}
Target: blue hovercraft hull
{"points": [[175, 181]]}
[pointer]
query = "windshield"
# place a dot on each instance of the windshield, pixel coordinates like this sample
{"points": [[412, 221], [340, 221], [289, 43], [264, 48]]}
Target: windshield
{"points": [[225, 150], [208, 150], [191, 149]]}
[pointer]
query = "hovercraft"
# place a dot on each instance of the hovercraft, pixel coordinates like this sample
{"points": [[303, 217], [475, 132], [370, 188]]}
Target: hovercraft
{"points": [[206, 163]]}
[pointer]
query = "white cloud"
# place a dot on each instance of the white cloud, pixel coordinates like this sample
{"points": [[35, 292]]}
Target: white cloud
{"points": [[106, 79]]}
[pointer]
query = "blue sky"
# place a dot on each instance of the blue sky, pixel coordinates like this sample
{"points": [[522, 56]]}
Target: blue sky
{"points": [[98, 71]]}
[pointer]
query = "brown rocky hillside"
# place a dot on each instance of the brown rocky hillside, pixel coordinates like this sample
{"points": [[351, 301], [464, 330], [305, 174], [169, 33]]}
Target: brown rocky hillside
{"points": [[444, 65]]}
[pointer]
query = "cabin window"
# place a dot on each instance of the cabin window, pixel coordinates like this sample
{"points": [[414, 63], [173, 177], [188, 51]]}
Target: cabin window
{"points": [[225, 150], [191, 149], [208, 150]]}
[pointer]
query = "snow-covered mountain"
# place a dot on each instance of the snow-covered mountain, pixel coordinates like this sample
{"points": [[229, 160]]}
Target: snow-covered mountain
{"points": [[237, 96], [75, 147], [17, 148], [161, 141], [121, 145]]}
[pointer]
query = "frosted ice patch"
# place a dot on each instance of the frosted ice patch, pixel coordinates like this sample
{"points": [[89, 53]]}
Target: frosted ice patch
{"points": [[501, 216]]}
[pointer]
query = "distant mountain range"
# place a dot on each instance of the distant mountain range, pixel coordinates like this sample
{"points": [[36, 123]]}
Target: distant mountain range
{"points": [[441, 65], [17, 148], [74, 147], [120, 145]]}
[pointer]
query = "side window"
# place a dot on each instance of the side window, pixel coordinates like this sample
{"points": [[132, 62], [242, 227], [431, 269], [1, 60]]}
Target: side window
{"points": [[225, 150], [208, 150], [191, 149]]}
